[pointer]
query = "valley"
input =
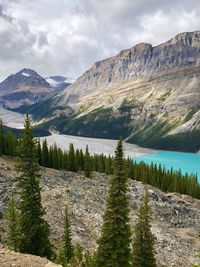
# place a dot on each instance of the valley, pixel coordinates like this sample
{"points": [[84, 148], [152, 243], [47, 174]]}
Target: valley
{"points": [[186, 162], [99, 133]]}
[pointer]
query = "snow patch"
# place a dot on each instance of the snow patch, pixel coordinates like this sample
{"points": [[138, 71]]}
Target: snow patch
{"points": [[56, 84], [26, 74]]}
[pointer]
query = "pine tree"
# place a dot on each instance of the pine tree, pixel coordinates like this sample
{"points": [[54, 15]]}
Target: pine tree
{"points": [[12, 218], [55, 159], [108, 167], [39, 152], [71, 159], [89, 259], [34, 230], [1, 138], [78, 259], [10, 143], [66, 253], [45, 154], [143, 239], [68, 248], [87, 167], [114, 243], [81, 160]]}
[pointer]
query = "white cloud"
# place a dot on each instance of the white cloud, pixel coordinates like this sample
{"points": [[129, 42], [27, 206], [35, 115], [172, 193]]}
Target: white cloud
{"points": [[65, 37]]}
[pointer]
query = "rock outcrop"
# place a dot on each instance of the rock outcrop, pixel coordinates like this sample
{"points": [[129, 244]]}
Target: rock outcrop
{"points": [[176, 217]]}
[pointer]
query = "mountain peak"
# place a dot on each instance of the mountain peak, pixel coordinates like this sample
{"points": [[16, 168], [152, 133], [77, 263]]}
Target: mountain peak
{"points": [[187, 38], [27, 72]]}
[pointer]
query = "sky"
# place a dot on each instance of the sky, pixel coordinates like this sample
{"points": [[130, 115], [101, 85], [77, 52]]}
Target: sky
{"points": [[65, 37]]}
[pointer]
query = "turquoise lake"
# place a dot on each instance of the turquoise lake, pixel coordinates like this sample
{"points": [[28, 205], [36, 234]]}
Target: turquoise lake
{"points": [[186, 162]]}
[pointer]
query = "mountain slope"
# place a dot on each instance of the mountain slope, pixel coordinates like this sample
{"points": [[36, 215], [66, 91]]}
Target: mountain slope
{"points": [[175, 222], [144, 89]]}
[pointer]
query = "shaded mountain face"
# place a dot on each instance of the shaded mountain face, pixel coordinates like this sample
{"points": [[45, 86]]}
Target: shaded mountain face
{"points": [[26, 87], [147, 95]]}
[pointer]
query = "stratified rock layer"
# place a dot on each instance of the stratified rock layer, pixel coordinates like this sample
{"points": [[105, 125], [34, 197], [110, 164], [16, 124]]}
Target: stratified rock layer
{"points": [[159, 84]]}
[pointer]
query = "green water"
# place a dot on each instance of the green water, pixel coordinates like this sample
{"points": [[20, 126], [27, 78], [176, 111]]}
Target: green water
{"points": [[186, 162]]}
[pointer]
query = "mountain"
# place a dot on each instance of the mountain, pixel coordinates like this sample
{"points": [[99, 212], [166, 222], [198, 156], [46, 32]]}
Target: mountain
{"points": [[147, 95], [175, 222], [27, 87], [23, 88], [59, 82]]}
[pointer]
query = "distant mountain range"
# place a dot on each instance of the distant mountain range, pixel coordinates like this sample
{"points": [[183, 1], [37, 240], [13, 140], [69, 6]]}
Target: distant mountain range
{"points": [[27, 87], [146, 95]]}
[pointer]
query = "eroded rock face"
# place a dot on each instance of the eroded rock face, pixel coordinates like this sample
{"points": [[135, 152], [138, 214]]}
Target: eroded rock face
{"points": [[175, 224], [163, 81], [142, 60]]}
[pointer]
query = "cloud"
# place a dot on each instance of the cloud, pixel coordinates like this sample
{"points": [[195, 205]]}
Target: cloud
{"points": [[66, 37], [4, 15]]}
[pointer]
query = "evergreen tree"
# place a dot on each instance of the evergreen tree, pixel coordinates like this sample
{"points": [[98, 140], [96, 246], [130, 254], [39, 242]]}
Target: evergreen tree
{"points": [[39, 152], [34, 230], [66, 253], [114, 243], [81, 160], [12, 217], [143, 239], [10, 143], [108, 167], [78, 258], [45, 154], [77, 157], [87, 167], [1, 138], [55, 160], [89, 259], [71, 159]]}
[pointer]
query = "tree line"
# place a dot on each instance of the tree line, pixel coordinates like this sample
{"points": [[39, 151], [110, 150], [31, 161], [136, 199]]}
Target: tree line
{"points": [[118, 245], [77, 160]]}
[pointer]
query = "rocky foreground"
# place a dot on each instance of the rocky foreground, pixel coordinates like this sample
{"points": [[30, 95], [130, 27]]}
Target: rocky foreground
{"points": [[12, 259], [176, 217]]}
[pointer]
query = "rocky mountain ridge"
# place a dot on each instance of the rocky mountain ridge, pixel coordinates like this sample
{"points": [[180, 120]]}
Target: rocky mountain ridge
{"points": [[176, 217], [141, 88], [142, 60]]}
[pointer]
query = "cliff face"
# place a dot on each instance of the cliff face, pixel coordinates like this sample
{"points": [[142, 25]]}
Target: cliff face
{"points": [[140, 87], [140, 62]]}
